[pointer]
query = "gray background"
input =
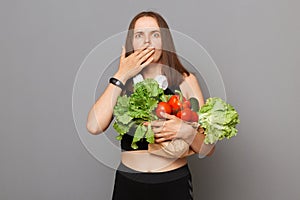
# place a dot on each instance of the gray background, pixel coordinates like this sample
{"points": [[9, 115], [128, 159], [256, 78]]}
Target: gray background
{"points": [[42, 44]]}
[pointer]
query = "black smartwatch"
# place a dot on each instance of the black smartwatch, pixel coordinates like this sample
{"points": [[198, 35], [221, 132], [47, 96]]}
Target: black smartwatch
{"points": [[116, 82]]}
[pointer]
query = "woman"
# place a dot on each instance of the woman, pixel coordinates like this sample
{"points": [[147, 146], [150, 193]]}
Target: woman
{"points": [[149, 49]]}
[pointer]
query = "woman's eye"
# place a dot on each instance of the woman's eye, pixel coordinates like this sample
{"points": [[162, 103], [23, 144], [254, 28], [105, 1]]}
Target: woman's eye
{"points": [[138, 35], [156, 35]]}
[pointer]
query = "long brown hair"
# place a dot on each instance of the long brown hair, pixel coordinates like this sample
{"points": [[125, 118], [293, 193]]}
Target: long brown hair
{"points": [[172, 67]]}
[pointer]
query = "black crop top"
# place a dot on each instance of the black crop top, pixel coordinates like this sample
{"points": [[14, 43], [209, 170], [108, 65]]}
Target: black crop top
{"points": [[142, 144]]}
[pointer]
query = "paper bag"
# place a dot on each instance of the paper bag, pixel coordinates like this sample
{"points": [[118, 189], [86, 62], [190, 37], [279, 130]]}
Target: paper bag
{"points": [[176, 148]]}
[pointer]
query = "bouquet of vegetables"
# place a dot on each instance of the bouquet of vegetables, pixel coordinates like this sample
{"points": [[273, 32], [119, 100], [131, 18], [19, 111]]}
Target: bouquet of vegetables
{"points": [[133, 111], [147, 101]]}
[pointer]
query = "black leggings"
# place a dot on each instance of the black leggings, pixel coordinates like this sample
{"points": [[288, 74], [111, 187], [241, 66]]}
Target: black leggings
{"points": [[170, 185]]}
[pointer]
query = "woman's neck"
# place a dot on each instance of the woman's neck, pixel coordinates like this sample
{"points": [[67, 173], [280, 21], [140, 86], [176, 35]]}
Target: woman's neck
{"points": [[152, 70]]}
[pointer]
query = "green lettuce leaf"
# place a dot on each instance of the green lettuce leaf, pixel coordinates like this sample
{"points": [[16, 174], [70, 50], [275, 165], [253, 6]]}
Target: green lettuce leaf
{"points": [[150, 134], [138, 135]]}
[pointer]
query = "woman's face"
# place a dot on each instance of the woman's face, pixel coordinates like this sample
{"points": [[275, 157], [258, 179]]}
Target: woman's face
{"points": [[146, 30]]}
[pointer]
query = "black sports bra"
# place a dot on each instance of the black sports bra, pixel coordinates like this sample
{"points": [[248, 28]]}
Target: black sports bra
{"points": [[142, 144]]}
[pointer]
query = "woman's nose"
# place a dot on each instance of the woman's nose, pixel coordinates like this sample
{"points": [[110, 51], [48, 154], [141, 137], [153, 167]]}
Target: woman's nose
{"points": [[147, 39]]}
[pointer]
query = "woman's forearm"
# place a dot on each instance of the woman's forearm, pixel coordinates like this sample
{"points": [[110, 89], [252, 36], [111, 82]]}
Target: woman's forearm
{"points": [[101, 113]]}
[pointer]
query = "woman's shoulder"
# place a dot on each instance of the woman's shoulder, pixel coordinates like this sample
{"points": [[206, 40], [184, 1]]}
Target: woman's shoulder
{"points": [[189, 77], [188, 84]]}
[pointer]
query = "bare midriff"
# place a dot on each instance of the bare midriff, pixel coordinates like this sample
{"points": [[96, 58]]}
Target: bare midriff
{"points": [[142, 160]]}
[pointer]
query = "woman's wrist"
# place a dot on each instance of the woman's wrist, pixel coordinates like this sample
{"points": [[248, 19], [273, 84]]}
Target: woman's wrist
{"points": [[117, 83], [191, 133], [120, 77]]}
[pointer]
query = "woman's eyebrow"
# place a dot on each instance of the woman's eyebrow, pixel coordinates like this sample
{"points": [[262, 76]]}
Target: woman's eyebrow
{"points": [[138, 32], [152, 31]]}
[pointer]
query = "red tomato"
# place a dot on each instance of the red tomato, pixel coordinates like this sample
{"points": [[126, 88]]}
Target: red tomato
{"points": [[194, 117], [186, 104], [185, 114], [163, 107], [175, 103]]}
